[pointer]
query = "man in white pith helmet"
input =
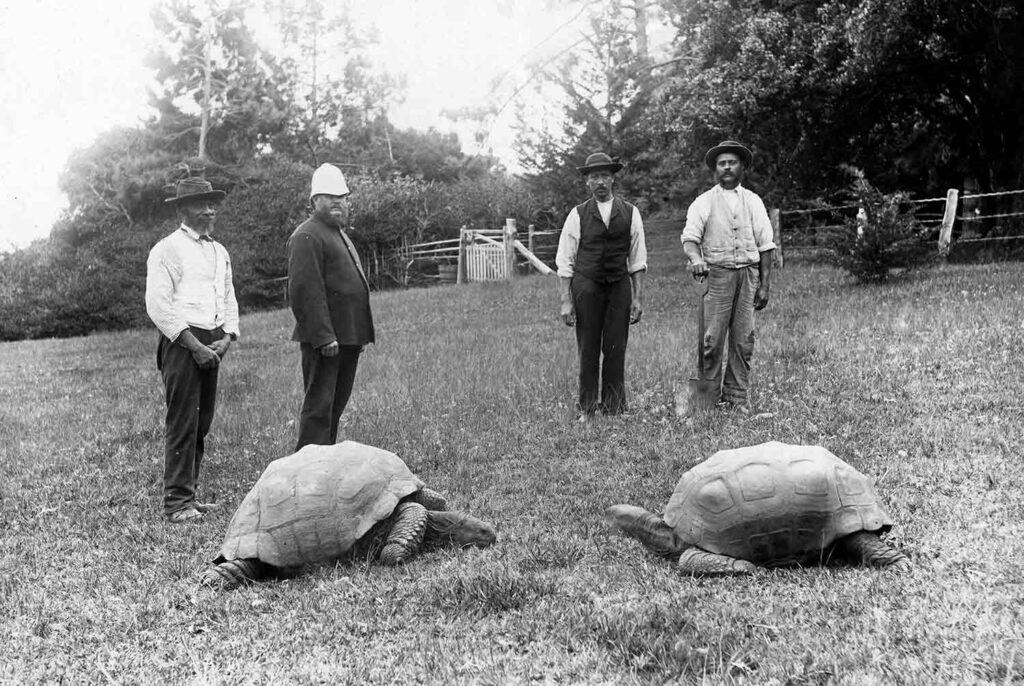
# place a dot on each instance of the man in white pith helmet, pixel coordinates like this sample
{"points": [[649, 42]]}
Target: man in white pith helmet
{"points": [[330, 298]]}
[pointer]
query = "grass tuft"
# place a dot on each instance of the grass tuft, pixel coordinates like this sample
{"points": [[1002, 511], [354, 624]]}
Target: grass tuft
{"points": [[491, 591]]}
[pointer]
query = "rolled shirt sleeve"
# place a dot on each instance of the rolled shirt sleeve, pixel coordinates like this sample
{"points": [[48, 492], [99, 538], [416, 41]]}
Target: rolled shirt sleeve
{"points": [[568, 245], [637, 244], [696, 219], [764, 235]]}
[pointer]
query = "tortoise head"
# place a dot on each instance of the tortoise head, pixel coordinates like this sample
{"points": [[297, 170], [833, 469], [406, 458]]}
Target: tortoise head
{"points": [[458, 528]]}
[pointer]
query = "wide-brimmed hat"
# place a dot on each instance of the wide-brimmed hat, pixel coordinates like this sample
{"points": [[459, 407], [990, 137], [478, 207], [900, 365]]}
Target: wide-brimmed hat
{"points": [[195, 188], [711, 156], [599, 160]]}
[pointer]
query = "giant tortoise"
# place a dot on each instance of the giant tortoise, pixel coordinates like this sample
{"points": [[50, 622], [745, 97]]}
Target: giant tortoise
{"points": [[328, 502], [771, 504]]}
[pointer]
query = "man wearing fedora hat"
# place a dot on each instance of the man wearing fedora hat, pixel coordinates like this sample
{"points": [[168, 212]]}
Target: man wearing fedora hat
{"points": [[330, 298], [601, 260], [191, 299], [729, 241]]}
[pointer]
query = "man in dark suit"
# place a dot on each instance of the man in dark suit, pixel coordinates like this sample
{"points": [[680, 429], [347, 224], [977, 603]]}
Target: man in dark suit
{"points": [[330, 298]]}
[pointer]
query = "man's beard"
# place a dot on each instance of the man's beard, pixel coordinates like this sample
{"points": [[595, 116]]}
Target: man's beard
{"points": [[327, 217]]}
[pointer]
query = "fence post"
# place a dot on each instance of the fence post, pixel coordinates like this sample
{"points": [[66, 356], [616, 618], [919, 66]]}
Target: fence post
{"points": [[948, 217], [775, 217], [460, 265], [510, 254], [529, 237]]}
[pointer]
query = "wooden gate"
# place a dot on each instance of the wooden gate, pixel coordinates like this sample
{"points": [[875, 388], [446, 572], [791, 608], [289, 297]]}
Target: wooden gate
{"points": [[486, 262]]}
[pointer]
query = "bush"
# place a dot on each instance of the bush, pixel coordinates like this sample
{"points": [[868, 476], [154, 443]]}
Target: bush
{"points": [[884, 239], [254, 223], [53, 290]]}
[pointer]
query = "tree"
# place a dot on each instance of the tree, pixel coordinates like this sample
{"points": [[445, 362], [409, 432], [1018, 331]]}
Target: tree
{"points": [[211, 69], [917, 93], [122, 175], [603, 86], [337, 89]]}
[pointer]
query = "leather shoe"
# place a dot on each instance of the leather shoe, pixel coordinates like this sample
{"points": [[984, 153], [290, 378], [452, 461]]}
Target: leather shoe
{"points": [[183, 515]]}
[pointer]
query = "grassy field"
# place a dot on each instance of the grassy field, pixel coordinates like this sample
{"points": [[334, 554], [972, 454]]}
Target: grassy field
{"points": [[918, 384]]}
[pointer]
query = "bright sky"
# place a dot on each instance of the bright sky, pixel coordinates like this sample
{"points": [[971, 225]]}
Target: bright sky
{"points": [[70, 69]]}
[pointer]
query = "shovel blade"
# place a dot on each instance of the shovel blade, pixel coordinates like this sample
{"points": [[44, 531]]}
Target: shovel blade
{"points": [[703, 395]]}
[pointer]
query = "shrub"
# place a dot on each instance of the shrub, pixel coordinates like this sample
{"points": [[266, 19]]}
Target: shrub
{"points": [[254, 223], [884, 239]]}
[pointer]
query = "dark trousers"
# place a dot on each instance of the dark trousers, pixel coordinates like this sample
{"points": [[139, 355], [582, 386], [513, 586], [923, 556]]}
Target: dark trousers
{"points": [[328, 382], [191, 395], [602, 328]]}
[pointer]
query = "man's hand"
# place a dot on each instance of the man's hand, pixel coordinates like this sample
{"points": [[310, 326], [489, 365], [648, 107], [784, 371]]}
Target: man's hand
{"points": [[205, 357], [329, 350], [760, 297], [699, 268], [221, 347], [636, 310], [202, 355], [568, 313]]}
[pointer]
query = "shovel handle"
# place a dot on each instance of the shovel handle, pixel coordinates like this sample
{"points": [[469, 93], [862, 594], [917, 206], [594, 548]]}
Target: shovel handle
{"points": [[702, 290]]}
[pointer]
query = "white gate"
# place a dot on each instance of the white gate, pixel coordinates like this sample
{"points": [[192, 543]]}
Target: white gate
{"points": [[486, 262]]}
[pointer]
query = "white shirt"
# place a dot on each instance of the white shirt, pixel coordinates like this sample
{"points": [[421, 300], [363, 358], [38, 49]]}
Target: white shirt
{"points": [[732, 198], [569, 241], [188, 283]]}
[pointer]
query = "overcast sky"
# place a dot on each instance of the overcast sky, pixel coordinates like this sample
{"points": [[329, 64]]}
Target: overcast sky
{"points": [[70, 69]]}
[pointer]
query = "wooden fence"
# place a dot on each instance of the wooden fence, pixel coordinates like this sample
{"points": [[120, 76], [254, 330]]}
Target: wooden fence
{"points": [[958, 218], [476, 255]]}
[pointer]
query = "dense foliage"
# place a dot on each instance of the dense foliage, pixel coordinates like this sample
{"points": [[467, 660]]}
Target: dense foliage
{"points": [[923, 95]]}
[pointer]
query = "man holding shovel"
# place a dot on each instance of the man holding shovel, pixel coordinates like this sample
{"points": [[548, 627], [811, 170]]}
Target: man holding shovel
{"points": [[729, 241]]}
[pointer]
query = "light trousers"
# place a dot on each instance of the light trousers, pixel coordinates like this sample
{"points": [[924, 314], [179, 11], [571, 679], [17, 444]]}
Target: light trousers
{"points": [[729, 329]]}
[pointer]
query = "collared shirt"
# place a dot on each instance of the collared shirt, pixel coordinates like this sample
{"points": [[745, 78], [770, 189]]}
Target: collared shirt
{"points": [[188, 283], [732, 227], [569, 241]]}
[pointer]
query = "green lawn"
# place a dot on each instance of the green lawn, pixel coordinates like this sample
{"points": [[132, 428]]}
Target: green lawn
{"points": [[917, 384]]}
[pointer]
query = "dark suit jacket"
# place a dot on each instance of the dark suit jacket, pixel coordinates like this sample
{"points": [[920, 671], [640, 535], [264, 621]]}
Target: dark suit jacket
{"points": [[327, 289]]}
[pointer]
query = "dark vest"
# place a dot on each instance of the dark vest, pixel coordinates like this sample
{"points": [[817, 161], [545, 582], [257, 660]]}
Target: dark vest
{"points": [[604, 251]]}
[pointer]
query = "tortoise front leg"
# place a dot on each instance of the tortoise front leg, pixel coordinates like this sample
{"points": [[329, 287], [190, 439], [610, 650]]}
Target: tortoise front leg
{"points": [[408, 525], [230, 574], [868, 548], [700, 562]]}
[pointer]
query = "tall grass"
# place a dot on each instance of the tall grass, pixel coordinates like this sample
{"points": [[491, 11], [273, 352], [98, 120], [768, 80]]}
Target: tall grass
{"points": [[916, 383]]}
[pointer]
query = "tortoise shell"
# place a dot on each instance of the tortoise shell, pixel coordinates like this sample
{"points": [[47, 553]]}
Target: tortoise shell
{"points": [[773, 504], [311, 507]]}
